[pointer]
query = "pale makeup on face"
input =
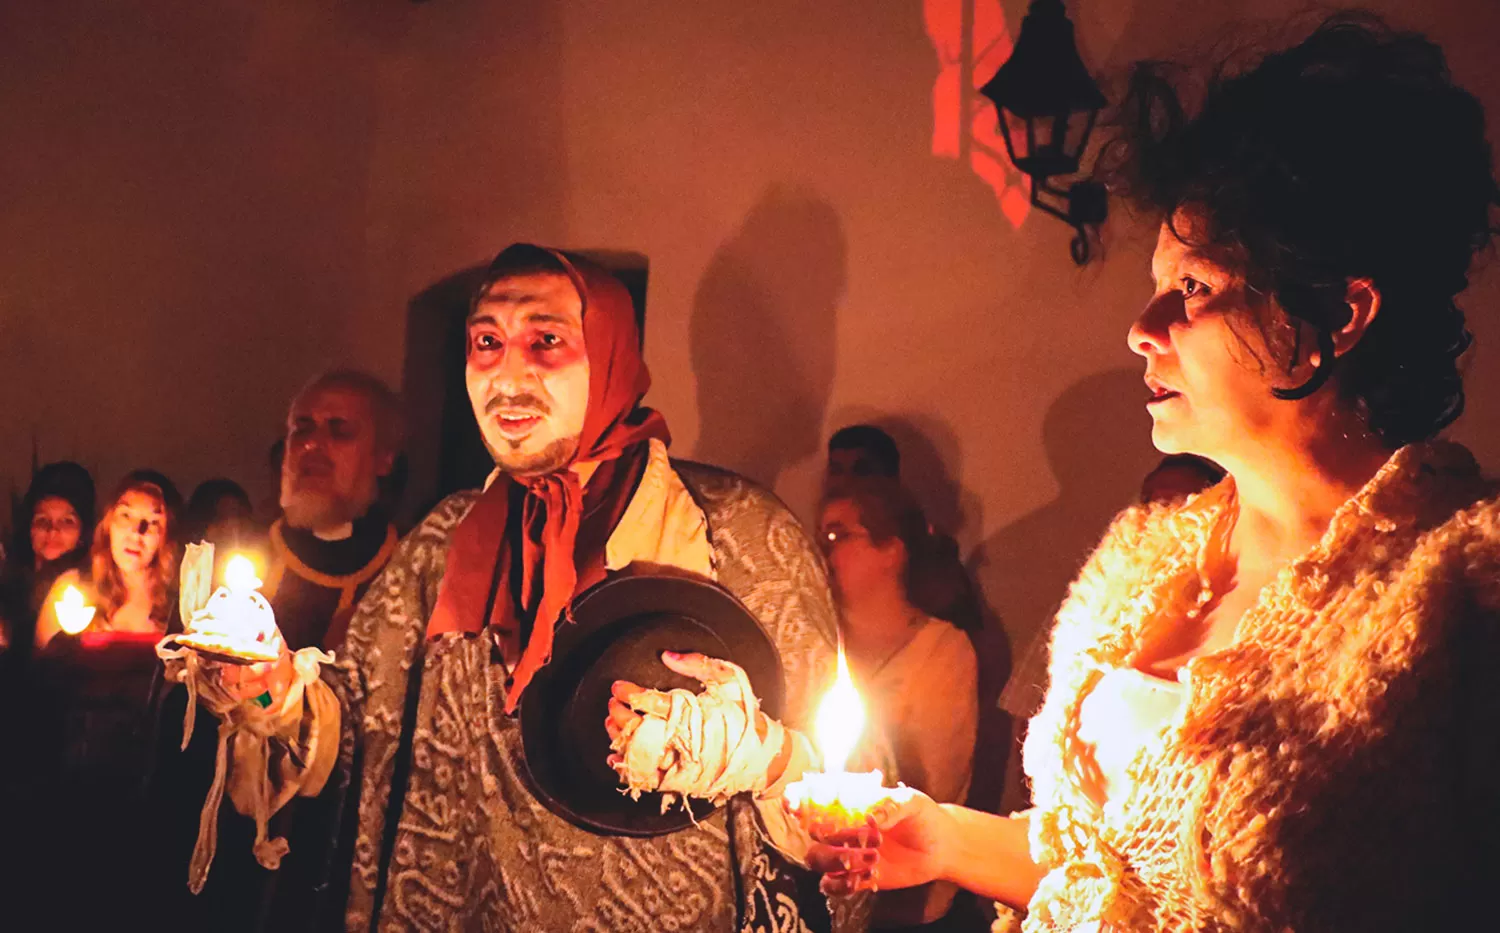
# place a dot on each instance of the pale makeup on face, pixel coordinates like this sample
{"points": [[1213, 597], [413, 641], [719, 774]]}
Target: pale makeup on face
{"points": [[528, 372], [55, 528], [136, 527]]}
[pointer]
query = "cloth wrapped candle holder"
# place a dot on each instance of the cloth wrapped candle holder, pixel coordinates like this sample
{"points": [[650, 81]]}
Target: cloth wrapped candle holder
{"points": [[237, 626], [252, 730]]}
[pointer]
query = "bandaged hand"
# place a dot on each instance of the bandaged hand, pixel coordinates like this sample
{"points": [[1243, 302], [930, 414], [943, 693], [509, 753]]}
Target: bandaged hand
{"points": [[712, 744]]}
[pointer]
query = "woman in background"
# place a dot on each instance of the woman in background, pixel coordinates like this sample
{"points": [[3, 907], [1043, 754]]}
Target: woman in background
{"points": [[220, 512], [50, 538], [917, 673], [88, 740], [133, 566]]}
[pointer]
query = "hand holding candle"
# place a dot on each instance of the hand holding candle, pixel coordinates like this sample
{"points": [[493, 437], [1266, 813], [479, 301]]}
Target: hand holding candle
{"points": [[73, 614]]}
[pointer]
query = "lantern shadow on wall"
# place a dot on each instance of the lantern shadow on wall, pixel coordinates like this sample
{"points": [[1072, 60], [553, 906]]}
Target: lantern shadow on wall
{"points": [[1045, 107], [972, 41]]}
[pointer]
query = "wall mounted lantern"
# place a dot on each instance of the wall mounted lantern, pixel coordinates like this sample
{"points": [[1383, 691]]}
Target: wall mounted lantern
{"points": [[1047, 104]]}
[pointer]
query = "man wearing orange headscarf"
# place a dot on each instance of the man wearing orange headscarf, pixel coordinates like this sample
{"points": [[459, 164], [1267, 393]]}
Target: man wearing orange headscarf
{"points": [[446, 833]]}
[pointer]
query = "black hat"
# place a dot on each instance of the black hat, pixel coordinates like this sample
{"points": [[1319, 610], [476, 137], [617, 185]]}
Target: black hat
{"points": [[620, 629]]}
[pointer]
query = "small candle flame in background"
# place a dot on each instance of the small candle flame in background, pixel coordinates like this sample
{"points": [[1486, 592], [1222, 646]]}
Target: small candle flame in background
{"points": [[840, 719], [73, 614], [239, 575]]}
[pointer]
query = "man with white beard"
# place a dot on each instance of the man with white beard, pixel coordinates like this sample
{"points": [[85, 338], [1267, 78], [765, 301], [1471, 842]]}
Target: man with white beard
{"points": [[343, 434]]}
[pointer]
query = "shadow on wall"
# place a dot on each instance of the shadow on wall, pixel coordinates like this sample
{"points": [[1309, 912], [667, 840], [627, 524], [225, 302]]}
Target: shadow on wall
{"points": [[931, 461], [1097, 439], [763, 336]]}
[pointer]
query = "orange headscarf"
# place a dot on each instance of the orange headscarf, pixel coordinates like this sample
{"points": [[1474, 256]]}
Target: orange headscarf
{"points": [[553, 503]]}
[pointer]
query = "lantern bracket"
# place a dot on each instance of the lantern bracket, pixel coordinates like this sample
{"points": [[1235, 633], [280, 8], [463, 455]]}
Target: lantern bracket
{"points": [[1045, 88]]}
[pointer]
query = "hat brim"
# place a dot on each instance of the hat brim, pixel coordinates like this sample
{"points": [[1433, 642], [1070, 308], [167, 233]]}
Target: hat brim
{"points": [[620, 629]]}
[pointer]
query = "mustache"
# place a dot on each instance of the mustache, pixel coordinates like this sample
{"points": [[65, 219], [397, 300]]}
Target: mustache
{"points": [[312, 461], [525, 400]]}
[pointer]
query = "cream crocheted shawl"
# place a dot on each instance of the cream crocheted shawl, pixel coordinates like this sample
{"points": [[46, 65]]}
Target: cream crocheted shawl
{"points": [[1335, 768]]}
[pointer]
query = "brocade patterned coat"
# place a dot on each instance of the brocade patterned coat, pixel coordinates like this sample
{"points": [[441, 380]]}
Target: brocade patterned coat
{"points": [[473, 849]]}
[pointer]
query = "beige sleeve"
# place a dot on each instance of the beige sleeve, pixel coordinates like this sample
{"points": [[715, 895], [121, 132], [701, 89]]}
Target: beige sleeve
{"points": [[936, 746]]}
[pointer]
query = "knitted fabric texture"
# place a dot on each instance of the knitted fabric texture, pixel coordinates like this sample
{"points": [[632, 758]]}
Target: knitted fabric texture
{"points": [[1335, 766]]}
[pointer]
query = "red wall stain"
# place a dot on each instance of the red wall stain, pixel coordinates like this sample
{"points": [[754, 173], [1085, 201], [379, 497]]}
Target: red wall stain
{"points": [[972, 42]]}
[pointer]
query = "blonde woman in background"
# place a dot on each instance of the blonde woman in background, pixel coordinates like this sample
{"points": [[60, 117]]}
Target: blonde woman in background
{"points": [[917, 673]]}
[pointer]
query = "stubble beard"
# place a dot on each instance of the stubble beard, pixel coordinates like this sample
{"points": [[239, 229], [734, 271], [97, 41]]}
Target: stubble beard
{"points": [[549, 459]]}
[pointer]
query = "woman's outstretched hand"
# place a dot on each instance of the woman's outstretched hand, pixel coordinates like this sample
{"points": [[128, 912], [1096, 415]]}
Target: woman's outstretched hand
{"points": [[912, 839]]}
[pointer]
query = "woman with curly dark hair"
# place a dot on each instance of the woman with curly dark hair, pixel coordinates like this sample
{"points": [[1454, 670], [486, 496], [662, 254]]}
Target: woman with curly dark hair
{"points": [[1270, 704]]}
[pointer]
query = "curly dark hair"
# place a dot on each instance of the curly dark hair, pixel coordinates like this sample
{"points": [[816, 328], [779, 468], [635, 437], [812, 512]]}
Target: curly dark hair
{"points": [[1349, 155]]}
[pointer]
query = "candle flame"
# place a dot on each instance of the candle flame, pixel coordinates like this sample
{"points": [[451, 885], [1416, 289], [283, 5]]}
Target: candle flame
{"points": [[73, 614], [840, 719], [239, 574]]}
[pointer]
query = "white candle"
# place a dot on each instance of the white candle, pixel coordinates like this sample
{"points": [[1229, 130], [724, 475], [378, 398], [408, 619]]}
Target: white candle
{"points": [[236, 621]]}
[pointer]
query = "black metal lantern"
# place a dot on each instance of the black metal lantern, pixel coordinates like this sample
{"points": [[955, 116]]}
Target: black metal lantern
{"points": [[1047, 103]]}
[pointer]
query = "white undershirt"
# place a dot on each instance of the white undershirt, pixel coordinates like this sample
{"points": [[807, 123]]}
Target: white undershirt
{"points": [[342, 533]]}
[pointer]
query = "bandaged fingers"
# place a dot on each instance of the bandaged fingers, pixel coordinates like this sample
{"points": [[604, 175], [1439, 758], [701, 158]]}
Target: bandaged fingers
{"points": [[710, 672], [619, 719], [727, 679], [711, 744], [702, 668], [642, 700], [629, 703]]}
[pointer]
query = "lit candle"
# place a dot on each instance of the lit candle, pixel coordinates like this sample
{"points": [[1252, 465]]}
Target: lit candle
{"points": [[73, 614], [239, 575], [236, 622], [832, 801]]}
